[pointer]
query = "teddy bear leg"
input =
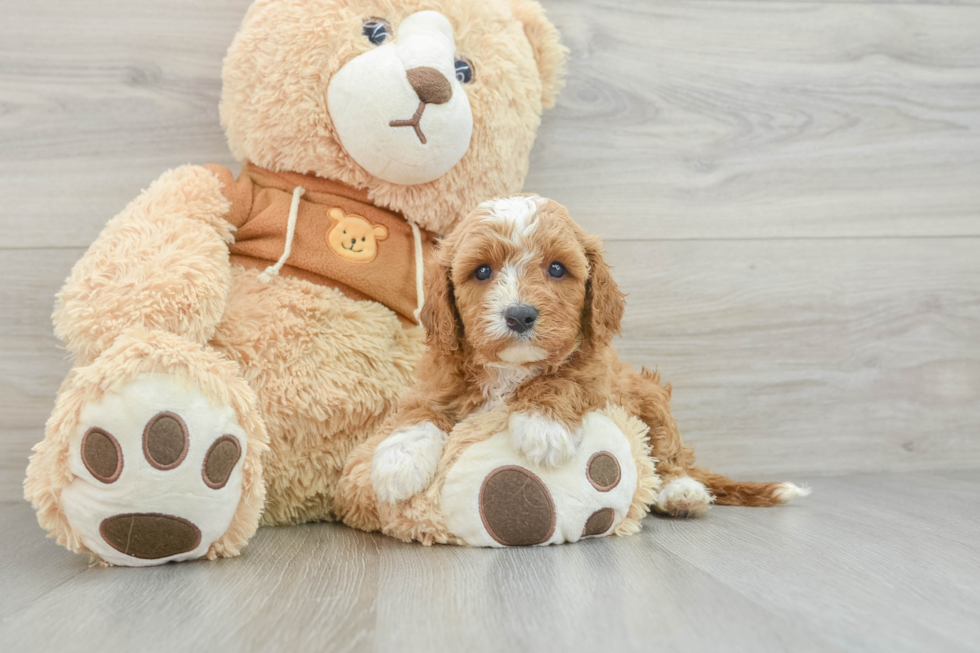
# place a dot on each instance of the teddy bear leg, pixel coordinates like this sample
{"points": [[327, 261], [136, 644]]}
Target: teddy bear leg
{"points": [[152, 454], [493, 496]]}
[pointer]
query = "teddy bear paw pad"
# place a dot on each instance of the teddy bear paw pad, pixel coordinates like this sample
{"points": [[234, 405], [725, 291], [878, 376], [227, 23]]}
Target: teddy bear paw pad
{"points": [[516, 507], [494, 496], [158, 472]]}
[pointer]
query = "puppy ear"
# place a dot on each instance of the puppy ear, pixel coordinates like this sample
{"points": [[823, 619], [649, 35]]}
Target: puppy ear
{"points": [[549, 53], [439, 316], [604, 303]]}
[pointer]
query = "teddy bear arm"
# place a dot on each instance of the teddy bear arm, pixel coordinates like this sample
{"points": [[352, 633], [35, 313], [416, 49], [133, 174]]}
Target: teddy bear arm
{"points": [[162, 264]]}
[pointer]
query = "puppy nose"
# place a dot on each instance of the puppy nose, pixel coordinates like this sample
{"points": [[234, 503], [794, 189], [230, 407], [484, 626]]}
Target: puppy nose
{"points": [[430, 85], [521, 317]]}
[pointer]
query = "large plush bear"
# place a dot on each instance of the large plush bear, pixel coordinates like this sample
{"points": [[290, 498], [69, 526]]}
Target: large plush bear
{"points": [[234, 340]]}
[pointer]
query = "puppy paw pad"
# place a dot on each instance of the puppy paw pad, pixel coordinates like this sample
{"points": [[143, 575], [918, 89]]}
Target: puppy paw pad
{"points": [[150, 536], [102, 455], [599, 522], [516, 507], [220, 460], [165, 441], [603, 471]]}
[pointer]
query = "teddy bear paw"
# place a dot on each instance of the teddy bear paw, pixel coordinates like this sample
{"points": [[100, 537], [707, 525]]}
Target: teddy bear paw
{"points": [[158, 472], [405, 462], [494, 496]]}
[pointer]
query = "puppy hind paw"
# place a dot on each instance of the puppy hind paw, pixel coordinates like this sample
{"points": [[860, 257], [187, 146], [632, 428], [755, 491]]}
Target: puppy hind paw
{"points": [[684, 497], [405, 462], [543, 441]]}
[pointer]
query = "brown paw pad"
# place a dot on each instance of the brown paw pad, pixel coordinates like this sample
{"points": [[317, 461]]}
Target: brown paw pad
{"points": [[599, 522], [165, 441], [150, 536], [102, 455], [220, 461], [516, 507], [603, 471]]}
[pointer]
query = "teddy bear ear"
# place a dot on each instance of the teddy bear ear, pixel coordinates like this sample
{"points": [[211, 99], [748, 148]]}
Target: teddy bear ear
{"points": [[549, 53], [335, 214], [380, 232]]}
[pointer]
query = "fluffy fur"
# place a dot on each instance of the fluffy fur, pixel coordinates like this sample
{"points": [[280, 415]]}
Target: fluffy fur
{"points": [[311, 372], [139, 351], [274, 105], [566, 364]]}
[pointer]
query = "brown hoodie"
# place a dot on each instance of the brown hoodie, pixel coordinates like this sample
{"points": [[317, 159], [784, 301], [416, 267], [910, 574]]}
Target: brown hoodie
{"points": [[342, 240]]}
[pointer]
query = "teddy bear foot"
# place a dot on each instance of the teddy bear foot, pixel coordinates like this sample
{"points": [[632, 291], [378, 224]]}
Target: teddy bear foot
{"points": [[494, 496], [158, 472], [152, 454]]}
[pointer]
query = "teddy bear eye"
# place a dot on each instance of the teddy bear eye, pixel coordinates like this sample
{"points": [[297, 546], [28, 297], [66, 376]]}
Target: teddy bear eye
{"points": [[557, 270], [483, 273], [464, 70], [377, 30]]}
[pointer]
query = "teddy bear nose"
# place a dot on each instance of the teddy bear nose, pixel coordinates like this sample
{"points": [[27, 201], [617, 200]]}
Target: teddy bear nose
{"points": [[430, 85]]}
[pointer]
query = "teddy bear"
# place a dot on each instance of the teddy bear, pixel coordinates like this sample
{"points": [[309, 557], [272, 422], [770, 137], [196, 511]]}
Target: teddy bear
{"points": [[235, 339]]}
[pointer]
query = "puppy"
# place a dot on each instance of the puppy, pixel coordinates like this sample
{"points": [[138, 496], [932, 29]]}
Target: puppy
{"points": [[520, 310]]}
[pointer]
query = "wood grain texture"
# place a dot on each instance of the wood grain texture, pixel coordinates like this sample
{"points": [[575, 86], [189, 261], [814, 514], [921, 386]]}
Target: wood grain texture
{"points": [[763, 120], [680, 120], [812, 355], [870, 563]]}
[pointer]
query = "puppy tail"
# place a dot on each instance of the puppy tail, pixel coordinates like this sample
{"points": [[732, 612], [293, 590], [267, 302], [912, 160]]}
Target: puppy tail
{"points": [[737, 493]]}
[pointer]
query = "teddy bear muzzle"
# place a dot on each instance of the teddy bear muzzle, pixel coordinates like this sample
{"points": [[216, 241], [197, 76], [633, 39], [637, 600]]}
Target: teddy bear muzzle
{"points": [[399, 109]]}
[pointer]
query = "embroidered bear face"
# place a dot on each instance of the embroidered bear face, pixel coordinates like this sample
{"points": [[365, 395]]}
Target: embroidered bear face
{"points": [[353, 237]]}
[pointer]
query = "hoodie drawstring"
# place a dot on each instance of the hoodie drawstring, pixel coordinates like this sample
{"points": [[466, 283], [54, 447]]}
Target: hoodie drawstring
{"points": [[419, 272], [273, 270]]}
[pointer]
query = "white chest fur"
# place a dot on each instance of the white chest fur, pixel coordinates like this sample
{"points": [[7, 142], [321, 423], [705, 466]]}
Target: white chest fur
{"points": [[501, 382]]}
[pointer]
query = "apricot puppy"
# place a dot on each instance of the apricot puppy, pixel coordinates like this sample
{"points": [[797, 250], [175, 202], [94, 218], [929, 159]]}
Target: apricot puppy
{"points": [[520, 311]]}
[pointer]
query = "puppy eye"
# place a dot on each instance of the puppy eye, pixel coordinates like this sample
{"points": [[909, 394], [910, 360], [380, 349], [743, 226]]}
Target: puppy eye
{"points": [[464, 70], [377, 30], [483, 273], [557, 270]]}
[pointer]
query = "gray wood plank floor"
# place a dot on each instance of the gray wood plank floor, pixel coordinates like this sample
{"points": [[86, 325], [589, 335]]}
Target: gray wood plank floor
{"points": [[867, 563]]}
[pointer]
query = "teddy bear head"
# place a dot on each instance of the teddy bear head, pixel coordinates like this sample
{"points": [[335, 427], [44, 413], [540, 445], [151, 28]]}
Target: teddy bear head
{"points": [[430, 105]]}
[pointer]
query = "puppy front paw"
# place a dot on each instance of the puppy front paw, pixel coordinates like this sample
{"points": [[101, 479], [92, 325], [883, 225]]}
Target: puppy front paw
{"points": [[543, 441], [405, 462]]}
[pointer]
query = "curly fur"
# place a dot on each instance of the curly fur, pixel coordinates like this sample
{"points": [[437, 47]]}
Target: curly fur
{"points": [[575, 371]]}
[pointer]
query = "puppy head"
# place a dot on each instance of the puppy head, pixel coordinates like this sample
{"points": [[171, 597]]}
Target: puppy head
{"points": [[520, 283]]}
